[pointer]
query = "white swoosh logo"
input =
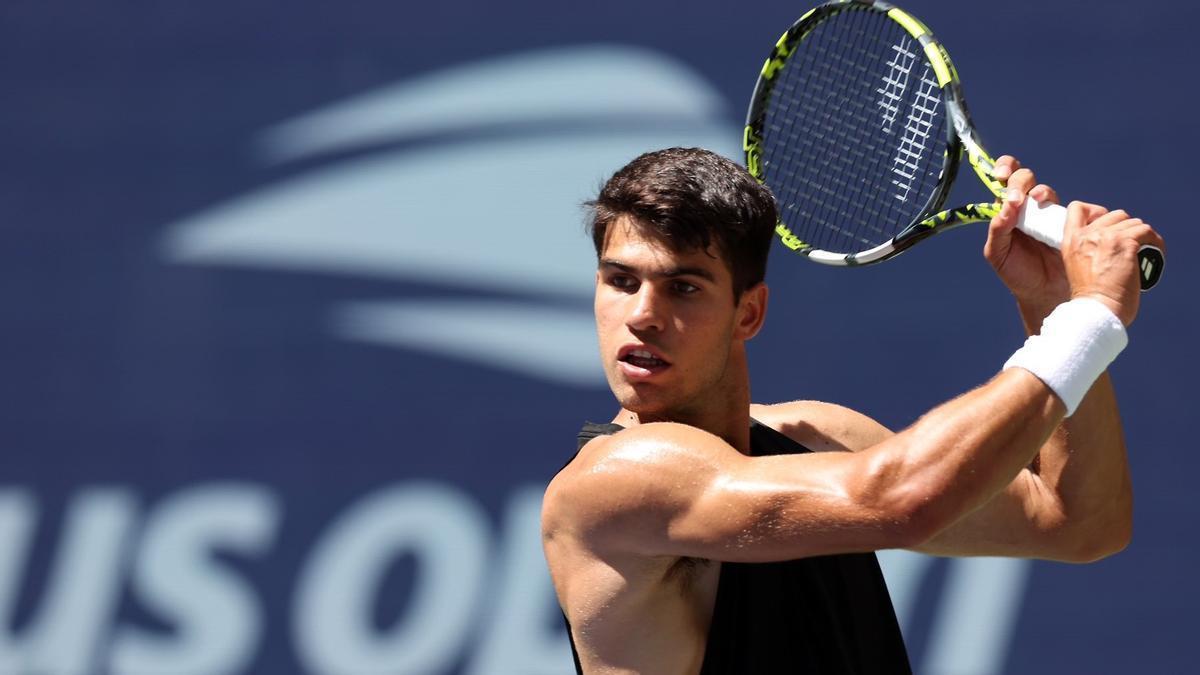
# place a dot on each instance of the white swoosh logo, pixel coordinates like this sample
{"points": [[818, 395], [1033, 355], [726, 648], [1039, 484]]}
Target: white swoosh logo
{"points": [[497, 214], [580, 82]]}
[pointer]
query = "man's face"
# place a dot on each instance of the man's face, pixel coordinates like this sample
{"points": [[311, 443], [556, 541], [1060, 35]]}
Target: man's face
{"points": [[666, 321]]}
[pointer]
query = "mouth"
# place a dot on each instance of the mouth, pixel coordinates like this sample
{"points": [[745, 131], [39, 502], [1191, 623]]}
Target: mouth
{"points": [[639, 361]]}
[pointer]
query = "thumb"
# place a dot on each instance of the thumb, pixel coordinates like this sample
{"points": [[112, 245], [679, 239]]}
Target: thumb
{"points": [[1079, 214], [1000, 233]]}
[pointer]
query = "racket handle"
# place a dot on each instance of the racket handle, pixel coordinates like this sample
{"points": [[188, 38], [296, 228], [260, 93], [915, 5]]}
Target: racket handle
{"points": [[1045, 223]]}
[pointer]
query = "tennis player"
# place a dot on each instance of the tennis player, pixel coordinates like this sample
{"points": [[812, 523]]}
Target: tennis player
{"points": [[700, 533]]}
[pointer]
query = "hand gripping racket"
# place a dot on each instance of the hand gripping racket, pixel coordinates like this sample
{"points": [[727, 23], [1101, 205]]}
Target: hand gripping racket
{"points": [[858, 125]]}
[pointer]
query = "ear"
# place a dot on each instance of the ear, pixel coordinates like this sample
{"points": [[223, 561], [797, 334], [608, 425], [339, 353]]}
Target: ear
{"points": [[751, 311]]}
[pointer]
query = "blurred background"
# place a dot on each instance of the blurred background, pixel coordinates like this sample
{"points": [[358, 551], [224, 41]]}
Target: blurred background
{"points": [[297, 322]]}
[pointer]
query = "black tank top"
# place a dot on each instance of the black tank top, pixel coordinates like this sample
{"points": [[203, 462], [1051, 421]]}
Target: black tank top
{"points": [[825, 614]]}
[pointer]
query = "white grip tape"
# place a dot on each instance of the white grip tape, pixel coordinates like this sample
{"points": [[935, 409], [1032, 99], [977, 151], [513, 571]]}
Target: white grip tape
{"points": [[1043, 222], [1046, 222], [1077, 342]]}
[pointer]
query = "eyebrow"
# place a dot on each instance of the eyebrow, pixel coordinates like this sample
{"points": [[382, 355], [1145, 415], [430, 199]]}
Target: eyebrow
{"points": [[673, 272]]}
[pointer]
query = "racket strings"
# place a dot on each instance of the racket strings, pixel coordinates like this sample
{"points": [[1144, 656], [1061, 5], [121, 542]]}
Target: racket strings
{"points": [[806, 150], [854, 135], [810, 128], [826, 64], [823, 63], [863, 212]]}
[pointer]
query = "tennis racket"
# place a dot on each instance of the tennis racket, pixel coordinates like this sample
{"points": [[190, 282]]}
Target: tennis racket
{"points": [[858, 125]]}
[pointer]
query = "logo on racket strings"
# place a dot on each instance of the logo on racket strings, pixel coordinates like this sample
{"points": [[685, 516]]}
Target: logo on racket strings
{"points": [[918, 121]]}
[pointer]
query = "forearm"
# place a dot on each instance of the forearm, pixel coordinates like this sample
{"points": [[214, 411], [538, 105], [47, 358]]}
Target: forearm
{"points": [[1083, 464], [1072, 504], [964, 452], [1084, 467]]}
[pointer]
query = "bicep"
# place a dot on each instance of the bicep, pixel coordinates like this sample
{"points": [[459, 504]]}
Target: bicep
{"points": [[784, 507]]}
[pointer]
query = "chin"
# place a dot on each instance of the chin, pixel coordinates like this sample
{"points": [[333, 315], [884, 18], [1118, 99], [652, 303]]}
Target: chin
{"points": [[643, 400]]}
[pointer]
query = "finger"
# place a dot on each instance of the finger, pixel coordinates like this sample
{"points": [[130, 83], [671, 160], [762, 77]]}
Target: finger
{"points": [[1000, 233], [1006, 218], [1004, 167], [1139, 231], [1153, 238], [1128, 225], [1079, 215], [1019, 184], [1090, 212], [1108, 218], [1044, 194]]}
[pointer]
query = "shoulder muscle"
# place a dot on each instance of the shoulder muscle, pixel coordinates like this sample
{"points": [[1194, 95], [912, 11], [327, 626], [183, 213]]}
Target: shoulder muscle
{"points": [[635, 480]]}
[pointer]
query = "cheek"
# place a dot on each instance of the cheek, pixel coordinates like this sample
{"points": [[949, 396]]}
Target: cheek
{"points": [[707, 323], [601, 305], [607, 318]]}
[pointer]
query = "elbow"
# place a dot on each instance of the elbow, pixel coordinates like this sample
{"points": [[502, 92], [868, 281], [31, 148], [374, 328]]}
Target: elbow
{"points": [[920, 516], [912, 515], [1085, 535], [1093, 549], [1103, 537], [910, 511]]}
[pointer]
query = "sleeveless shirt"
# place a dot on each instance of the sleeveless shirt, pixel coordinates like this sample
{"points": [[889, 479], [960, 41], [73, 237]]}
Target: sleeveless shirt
{"points": [[824, 614]]}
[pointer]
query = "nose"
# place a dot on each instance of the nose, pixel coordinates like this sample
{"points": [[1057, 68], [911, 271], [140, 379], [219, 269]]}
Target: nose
{"points": [[647, 310]]}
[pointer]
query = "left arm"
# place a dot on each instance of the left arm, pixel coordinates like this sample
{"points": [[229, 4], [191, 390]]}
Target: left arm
{"points": [[1074, 502], [1076, 496]]}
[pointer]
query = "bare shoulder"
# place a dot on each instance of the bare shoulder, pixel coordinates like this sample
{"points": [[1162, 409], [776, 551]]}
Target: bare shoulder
{"points": [[822, 427], [634, 477]]}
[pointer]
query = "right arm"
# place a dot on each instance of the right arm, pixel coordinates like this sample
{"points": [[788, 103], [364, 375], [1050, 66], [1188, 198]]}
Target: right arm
{"points": [[674, 490]]}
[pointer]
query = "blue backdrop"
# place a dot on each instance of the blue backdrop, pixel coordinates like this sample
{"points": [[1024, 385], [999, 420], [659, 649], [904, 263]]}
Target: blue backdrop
{"points": [[297, 321]]}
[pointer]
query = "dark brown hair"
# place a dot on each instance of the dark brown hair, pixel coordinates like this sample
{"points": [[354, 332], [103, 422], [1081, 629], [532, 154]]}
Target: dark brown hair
{"points": [[689, 199]]}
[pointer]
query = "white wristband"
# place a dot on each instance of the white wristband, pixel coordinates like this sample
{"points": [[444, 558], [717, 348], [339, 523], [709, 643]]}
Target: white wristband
{"points": [[1077, 342]]}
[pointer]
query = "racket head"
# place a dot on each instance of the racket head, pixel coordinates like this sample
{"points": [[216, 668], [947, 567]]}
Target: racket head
{"points": [[858, 126]]}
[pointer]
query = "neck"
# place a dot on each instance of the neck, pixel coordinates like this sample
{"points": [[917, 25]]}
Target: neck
{"points": [[722, 411]]}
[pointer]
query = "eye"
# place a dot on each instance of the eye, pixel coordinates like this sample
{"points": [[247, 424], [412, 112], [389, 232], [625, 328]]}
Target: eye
{"points": [[622, 281], [684, 288]]}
